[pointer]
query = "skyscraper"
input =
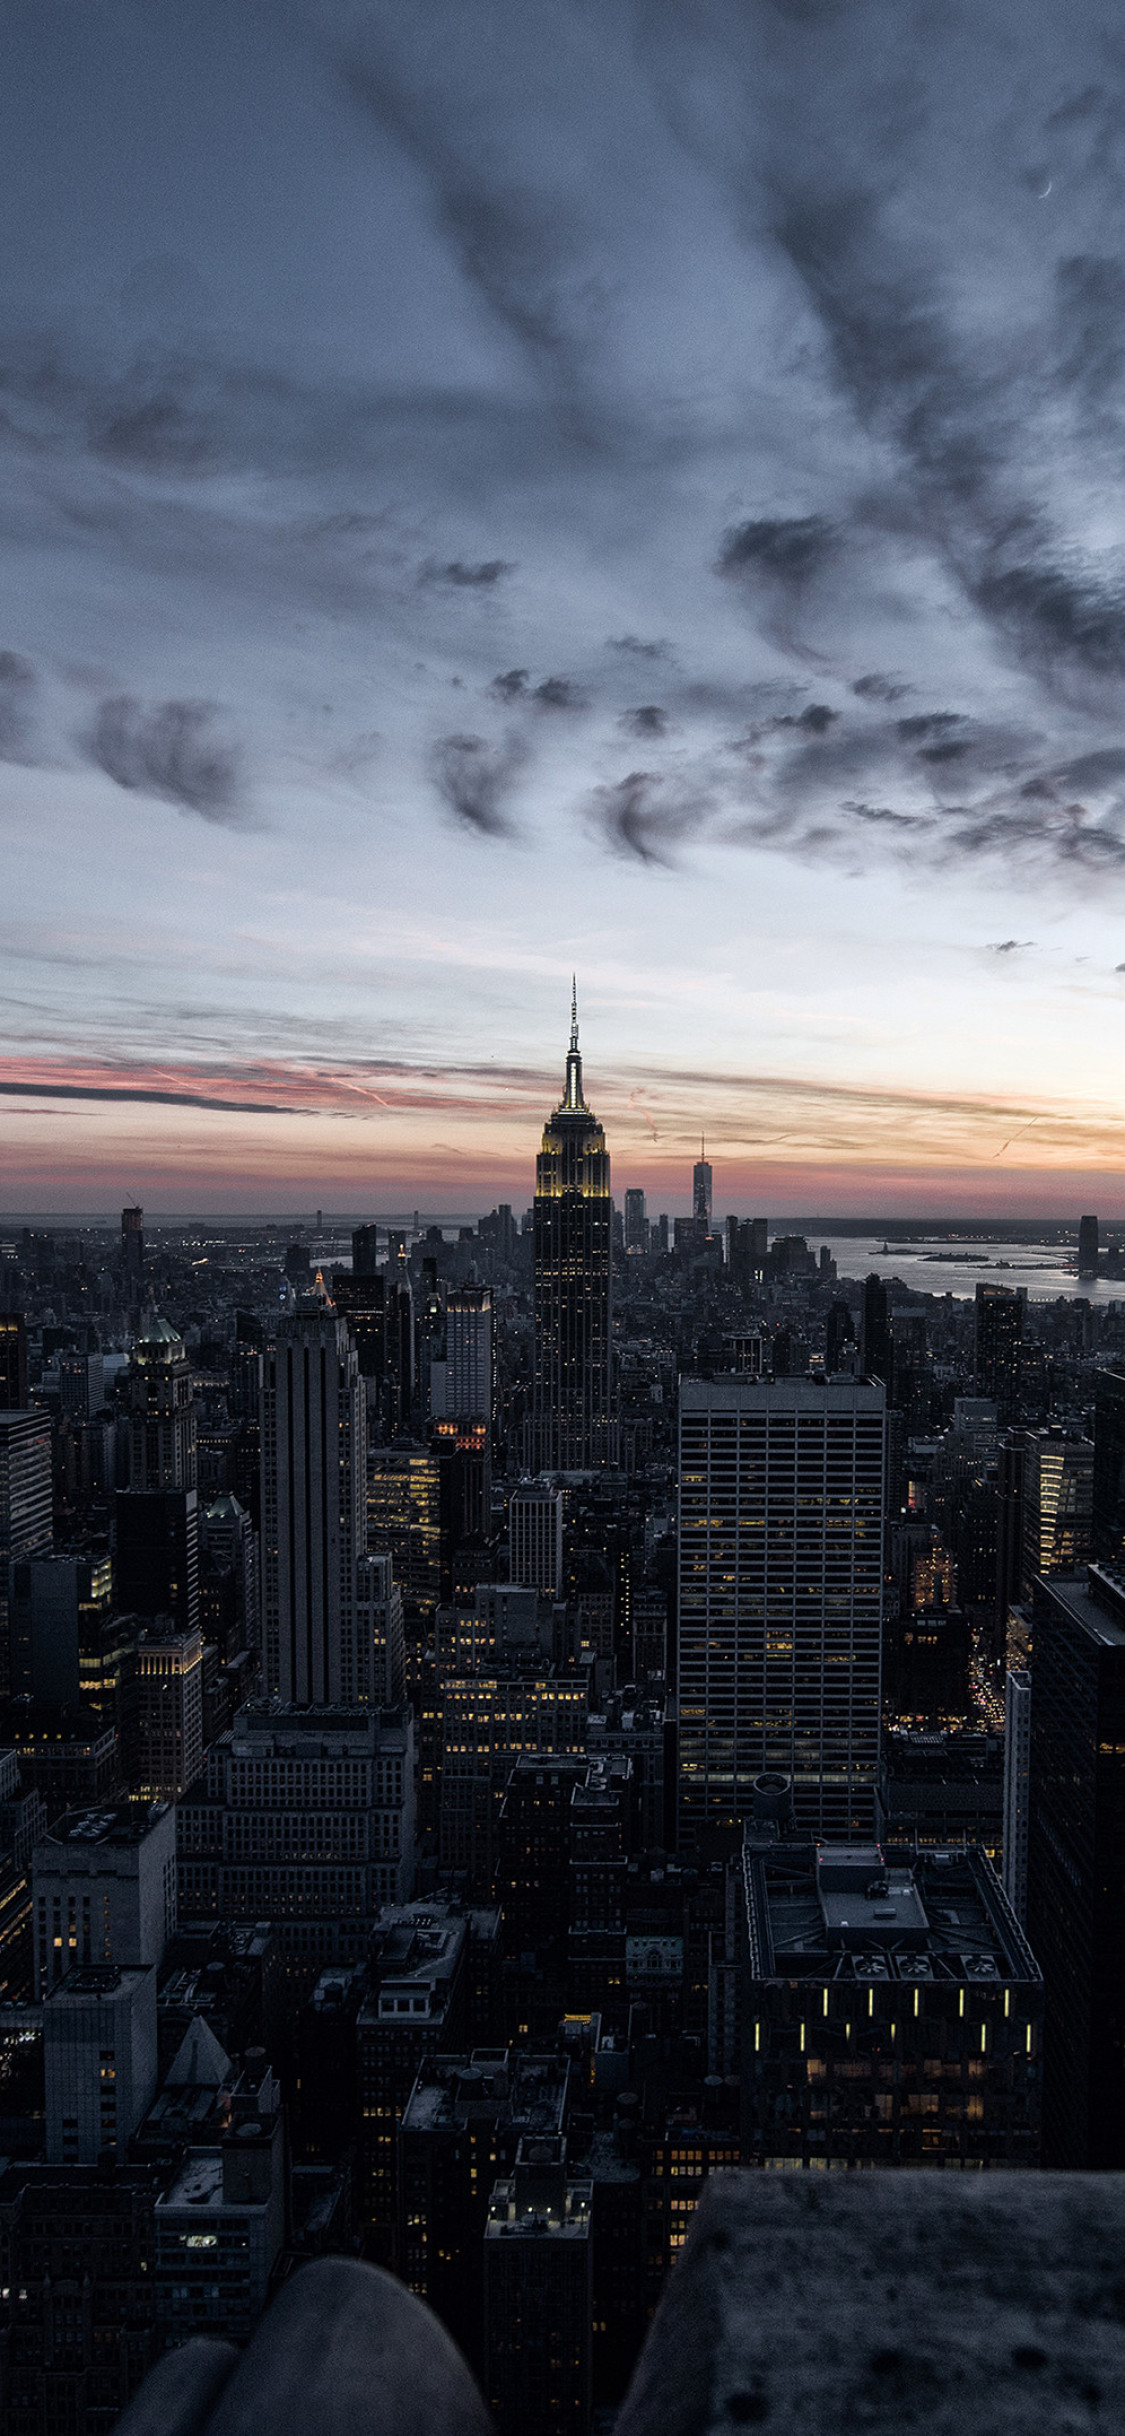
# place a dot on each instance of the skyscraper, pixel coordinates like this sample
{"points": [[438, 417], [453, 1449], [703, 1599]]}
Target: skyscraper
{"points": [[26, 1524], [13, 1363], [636, 1224], [1076, 1838], [161, 1411], [468, 1353], [701, 1189], [573, 1418], [1088, 1247], [780, 1604], [313, 1524], [1109, 1466], [133, 1245], [999, 1329]]}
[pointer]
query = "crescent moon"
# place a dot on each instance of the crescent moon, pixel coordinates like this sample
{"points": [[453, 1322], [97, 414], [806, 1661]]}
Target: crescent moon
{"points": [[1045, 190]]}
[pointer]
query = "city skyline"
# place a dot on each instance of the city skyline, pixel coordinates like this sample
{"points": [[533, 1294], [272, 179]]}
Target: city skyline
{"points": [[404, 537]]}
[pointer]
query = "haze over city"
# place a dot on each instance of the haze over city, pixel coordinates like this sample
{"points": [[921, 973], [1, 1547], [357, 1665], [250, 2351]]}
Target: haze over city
{"points": [[492, 492]]}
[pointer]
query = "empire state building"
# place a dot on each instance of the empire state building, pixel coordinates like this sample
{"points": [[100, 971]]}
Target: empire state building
{"points": [[573, 1419]]}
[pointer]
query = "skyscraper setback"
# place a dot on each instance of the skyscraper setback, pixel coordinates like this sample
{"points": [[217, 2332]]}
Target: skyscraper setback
{"points": [[573, 1414]]}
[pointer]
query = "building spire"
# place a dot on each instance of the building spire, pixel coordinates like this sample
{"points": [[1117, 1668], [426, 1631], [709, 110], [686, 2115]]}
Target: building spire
{"points": [[573, 1098]]}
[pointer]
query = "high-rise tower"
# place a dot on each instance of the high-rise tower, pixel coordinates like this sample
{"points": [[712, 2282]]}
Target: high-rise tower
{"points": [[161, 1411], [701, 1188], [573, 1419], [780, 1598], [313, 1477]]}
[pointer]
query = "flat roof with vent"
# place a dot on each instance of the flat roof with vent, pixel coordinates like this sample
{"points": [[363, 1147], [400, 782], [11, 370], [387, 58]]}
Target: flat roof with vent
{"points": [[878, 1911]]}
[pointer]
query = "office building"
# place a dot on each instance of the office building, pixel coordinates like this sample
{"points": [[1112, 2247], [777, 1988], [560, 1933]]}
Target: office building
{"points": [[573, 1399], [133, 1248], [164, 1725], [69, 1756], [701, 1190], [13, 1363], [535, 1537], [404, 1521], [636, 1224], [156, 1554], [939, 1790], [468, 1354], [103, 1886], [1108, 1521], [220, 2224], [162, 1451], [539, 2295], [1017, 1788], [81, 1385], [229, 1604], [25, 1503], [313, 1523], [465, 2118], [1058, 1502], [416, 2006], [1088, 1247], [488, 1721], [380, 1643], [746, 1250], [359, 1296], [875, 1330], [99, 2059], [81, 2332], [59, 1611], [1076, 1862], [305, 1817], [999, 1318], [365, 1251], [892, 2011], [780, 1597]]}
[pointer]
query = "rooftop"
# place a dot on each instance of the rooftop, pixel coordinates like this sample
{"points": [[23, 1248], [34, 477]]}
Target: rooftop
{"points": [[868, 1911], [115, 1823]]}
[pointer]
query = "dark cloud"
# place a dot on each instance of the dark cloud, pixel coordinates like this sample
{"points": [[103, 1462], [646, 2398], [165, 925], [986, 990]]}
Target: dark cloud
{"points": [[174, 750], [474, 778], [879, 689], [647, 720], [17, 686], [640, 650], [788, 549], [512, 686], [559, 693], [476, 575], [1008, 947], [51, 1090], [159, 432], [645, 815], [510, 244]]}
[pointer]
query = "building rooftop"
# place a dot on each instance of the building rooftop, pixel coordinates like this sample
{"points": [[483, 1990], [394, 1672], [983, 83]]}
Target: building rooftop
{"points": [[199, 2183], [1095, 1599], [878, 1912], [116, 1823], [98, 1980]]}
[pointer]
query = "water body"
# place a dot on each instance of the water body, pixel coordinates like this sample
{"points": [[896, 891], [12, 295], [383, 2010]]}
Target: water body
{"points": [[1044, 1270]]}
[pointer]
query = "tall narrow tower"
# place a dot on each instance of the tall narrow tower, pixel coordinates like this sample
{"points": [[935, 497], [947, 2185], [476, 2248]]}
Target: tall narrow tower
{"points": [[573, 1421], [313, 1481], [701, 1187]]}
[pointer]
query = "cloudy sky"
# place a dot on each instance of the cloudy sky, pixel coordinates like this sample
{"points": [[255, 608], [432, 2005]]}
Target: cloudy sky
{"points": [[497, 487]]}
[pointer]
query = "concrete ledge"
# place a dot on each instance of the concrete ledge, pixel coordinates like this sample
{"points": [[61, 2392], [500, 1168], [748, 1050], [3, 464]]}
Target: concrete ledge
{"points": [[976, 2305]]}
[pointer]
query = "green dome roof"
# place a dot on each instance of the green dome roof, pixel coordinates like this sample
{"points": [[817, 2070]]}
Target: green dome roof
{"points": [[157, 1341]]}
